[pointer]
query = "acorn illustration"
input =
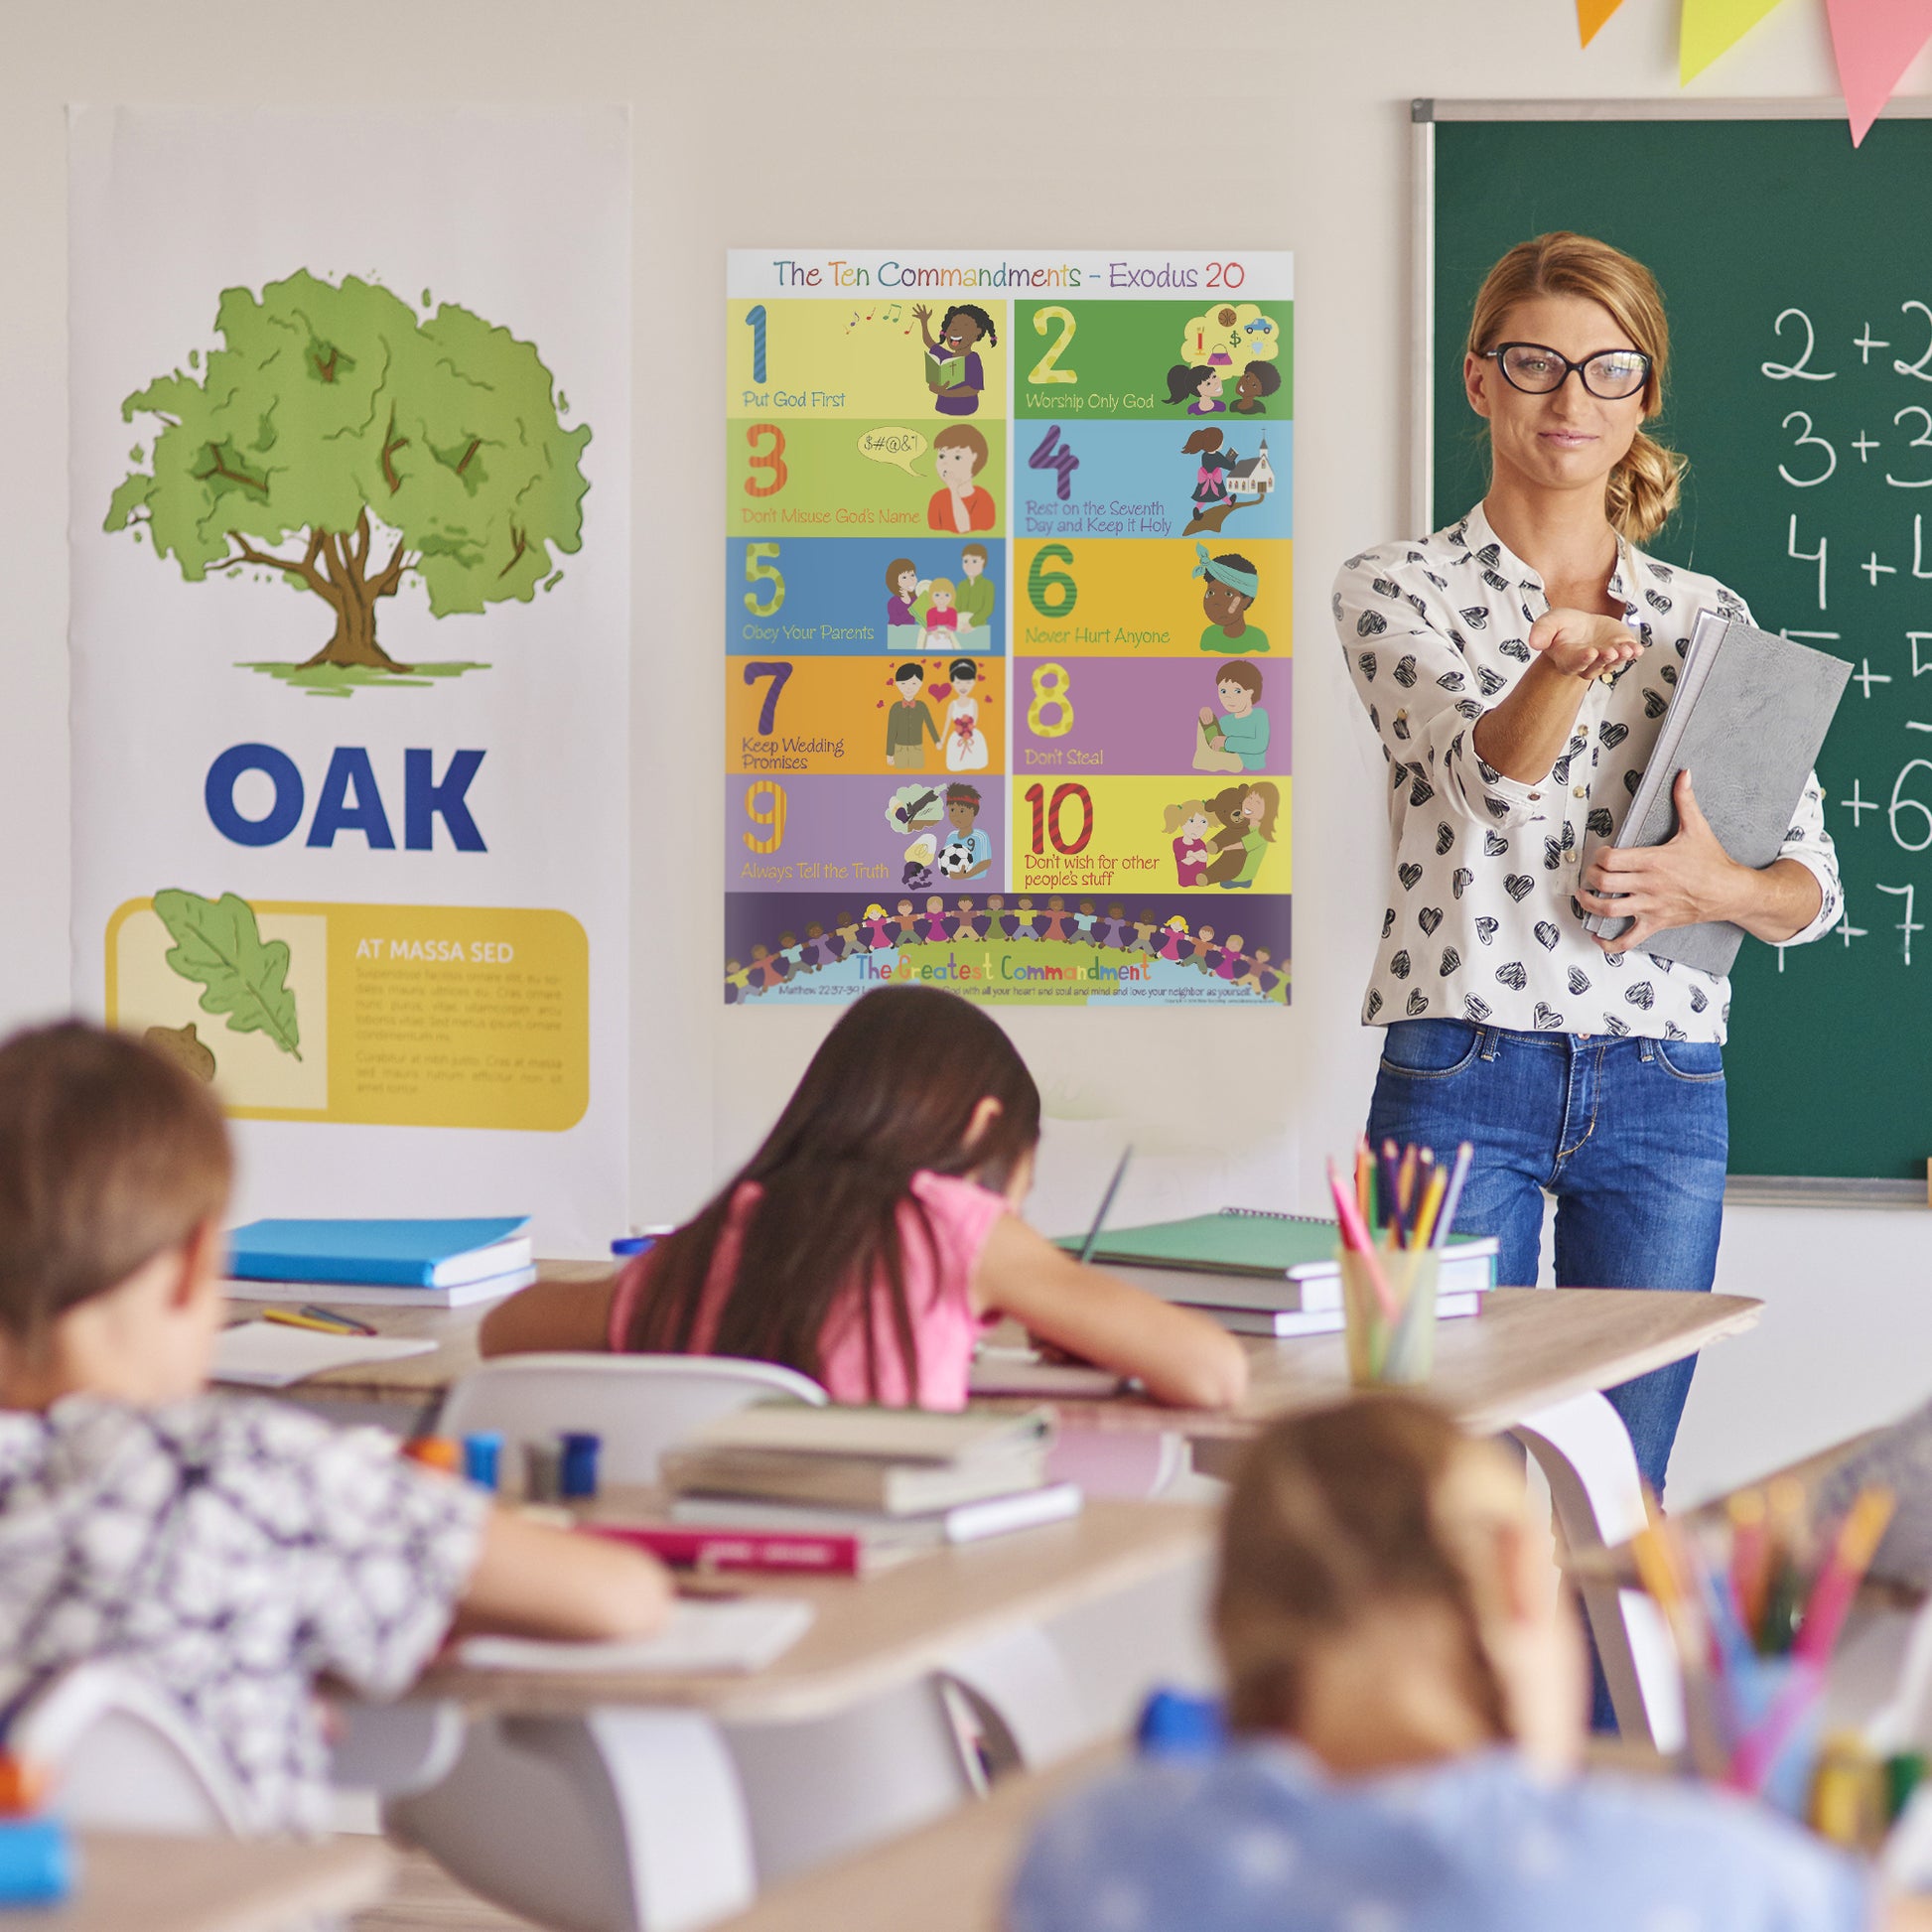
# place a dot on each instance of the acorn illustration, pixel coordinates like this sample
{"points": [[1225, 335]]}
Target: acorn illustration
{"points": [[181, 1046]]}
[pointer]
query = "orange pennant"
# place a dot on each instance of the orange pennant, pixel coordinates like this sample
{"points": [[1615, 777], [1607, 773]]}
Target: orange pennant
{"points": [[1591, 14], [1875, 40]]}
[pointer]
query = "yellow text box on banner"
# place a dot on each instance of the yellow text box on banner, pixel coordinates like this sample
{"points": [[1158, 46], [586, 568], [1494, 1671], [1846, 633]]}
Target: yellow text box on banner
{"points": [[863, 358], [831, 714], [1120, 835], [1096, 597], [394, 1016]]}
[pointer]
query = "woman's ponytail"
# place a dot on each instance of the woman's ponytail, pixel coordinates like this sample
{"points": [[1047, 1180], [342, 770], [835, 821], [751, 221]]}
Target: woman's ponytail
{"points": [[1643, 489]]}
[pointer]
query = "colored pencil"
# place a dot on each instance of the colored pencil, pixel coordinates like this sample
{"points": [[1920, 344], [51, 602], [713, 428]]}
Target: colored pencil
{"points": [[1458, 1174], [1106, 1202], [1844, 1570], [1432, 1207], [1356, 1234], [289, 1319], [348, 1321]]}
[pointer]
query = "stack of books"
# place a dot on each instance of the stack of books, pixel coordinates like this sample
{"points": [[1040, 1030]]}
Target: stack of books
{"points": [[846, 1490], [418, 1264], [1265, 1273]]}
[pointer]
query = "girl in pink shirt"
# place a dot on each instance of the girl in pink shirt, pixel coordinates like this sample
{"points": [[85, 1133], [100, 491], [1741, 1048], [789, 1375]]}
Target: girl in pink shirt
{"points": [[874, 1235]]}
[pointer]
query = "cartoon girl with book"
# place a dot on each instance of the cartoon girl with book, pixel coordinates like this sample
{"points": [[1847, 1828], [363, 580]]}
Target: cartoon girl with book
{"points": [[965, 742], [953, 372], [1212, 503], [1187, 826]]}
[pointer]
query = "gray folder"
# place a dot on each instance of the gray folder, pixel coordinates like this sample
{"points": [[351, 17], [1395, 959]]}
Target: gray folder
{"points": [[1747, 718]]}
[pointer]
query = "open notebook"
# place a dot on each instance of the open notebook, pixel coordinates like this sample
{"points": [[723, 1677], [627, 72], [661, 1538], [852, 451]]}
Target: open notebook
{"points": [[704, 1635]]}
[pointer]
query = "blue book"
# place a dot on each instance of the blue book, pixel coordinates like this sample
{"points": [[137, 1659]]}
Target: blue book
{"points": [[391, 1254]]}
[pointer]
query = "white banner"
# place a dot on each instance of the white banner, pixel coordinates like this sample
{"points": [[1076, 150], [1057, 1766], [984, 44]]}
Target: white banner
{"points": [[349, 530]]}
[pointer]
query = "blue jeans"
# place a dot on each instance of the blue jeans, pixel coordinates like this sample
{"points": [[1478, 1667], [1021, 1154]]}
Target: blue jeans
{"points": [[1630, 1137]]}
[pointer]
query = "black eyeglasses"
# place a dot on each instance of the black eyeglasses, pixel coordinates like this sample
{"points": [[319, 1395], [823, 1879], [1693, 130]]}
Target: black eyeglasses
{"points": [[1610, 375]]}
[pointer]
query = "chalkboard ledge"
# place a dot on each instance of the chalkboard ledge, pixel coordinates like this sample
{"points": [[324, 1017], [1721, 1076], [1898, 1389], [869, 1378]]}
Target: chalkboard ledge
{"points": [[1820, 1191]]}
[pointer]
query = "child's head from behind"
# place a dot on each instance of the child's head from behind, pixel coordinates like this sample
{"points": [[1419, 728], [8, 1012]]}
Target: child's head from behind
{"points": [[1382, 1598], [910, 1080], [115, 1172]]}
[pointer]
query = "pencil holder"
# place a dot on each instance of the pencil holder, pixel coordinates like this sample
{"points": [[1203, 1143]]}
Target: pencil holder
{"points": [[1776, 1706], [1384, 1349]]}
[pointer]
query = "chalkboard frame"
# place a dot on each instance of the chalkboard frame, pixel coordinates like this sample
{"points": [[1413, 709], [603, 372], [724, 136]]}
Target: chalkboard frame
{"points": [[1425, 114]]}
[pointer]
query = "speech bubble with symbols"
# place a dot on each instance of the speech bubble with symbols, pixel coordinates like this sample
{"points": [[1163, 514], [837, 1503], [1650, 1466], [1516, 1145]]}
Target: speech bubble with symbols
{"points": [[900, 447]]}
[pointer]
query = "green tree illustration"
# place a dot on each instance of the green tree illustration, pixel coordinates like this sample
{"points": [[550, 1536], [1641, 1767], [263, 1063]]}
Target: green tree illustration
{"points": [[381, 443]]}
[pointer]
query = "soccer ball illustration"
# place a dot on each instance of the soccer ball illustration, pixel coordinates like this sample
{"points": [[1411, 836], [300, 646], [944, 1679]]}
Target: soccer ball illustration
{"points": [[955, 861]]}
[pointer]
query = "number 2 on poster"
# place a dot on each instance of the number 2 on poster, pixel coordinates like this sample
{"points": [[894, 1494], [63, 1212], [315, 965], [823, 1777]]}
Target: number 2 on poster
{"points": [[1046, 817]]}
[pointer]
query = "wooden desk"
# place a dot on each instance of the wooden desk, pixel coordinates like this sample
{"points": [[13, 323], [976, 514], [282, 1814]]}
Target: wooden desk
{"points": [[952, 1876], [1529, 1348], [875, 1634], [204, 1884], [394, 1394], [1533, 1363]]}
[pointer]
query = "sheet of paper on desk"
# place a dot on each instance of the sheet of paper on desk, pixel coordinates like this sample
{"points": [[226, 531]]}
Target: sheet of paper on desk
{"points": [[266, 1355], [1020, 1371], [704, 1636]]}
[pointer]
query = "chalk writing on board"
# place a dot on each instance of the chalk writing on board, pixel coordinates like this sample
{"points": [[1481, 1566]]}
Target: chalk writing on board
{"points": [[1784, 371]]}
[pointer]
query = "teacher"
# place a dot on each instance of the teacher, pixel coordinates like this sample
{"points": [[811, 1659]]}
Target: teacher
{"points": [[1516, 667]]}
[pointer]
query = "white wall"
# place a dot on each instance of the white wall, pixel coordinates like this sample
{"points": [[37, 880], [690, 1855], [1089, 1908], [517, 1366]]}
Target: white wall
{"points": [[1015, 123]]}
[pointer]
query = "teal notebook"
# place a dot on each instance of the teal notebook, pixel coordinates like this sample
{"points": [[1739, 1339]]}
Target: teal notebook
{"points": [[1240, 1241]]}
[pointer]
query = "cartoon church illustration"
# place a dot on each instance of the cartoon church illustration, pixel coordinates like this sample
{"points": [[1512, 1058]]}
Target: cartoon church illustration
{"points": [[1252, 477]]}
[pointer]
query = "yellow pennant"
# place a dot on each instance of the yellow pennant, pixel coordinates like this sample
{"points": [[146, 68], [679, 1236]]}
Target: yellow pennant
{"points": [[1711, 27], [1591, 14]]}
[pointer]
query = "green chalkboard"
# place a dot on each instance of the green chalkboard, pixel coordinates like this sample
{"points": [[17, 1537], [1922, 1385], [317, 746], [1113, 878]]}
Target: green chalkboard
{"points": [[1745, 222]]}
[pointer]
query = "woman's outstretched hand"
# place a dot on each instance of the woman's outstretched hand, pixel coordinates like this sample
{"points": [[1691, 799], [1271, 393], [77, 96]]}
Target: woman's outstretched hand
{"points": [[1582, 644]]}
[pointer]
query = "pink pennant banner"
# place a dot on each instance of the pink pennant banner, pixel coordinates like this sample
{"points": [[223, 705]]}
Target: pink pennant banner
{"points": [[1875, 40]]}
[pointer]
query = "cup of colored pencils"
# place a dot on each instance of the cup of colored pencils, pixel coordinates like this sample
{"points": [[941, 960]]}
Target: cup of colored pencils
{"points": [[1395, 1218], [1756, 1612]]}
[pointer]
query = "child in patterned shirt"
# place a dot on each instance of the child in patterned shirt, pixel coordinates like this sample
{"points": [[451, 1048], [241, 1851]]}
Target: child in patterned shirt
{"points": [[230, 1551], [1407, 1697]]}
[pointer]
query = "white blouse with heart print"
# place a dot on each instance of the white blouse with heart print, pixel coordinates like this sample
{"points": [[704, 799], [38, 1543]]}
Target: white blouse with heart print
{"points": [[1481, 925]]}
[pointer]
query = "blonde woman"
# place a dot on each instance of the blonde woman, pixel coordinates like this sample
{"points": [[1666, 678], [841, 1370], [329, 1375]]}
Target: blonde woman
{"points": [[1515, 667]]}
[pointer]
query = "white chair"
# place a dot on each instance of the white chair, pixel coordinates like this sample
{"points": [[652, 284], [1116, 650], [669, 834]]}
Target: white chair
{"points": [[641, 1405], [126, 1757], [649, 1818]]}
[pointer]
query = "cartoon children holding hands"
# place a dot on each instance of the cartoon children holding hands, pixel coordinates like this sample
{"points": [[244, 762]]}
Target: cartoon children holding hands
{"points": [[1237, 741], [1233, 583], [952, 356]]}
